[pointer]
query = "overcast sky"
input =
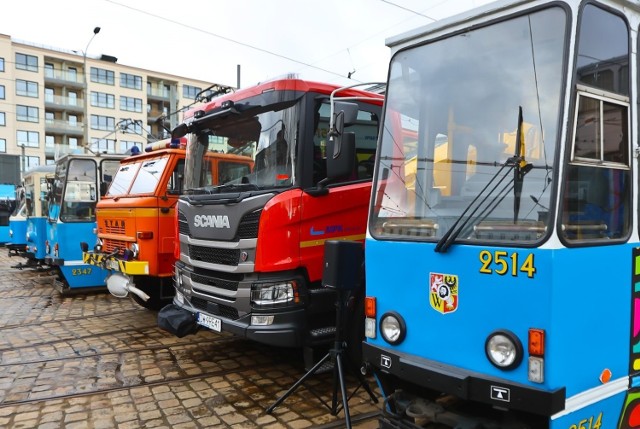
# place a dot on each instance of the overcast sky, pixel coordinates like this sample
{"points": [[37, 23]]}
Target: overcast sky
{"points": [[321, 40]]}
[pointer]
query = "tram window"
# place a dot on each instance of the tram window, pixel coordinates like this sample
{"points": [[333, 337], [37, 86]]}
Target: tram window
{"points": [[597, 192], [603, 51]]}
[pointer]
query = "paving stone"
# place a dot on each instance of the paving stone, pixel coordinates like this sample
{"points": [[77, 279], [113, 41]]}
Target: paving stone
{"points": [[98, 362]]}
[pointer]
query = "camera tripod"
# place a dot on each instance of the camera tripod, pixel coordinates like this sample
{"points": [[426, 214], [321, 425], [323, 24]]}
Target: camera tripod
{"points": [[335, 356]]}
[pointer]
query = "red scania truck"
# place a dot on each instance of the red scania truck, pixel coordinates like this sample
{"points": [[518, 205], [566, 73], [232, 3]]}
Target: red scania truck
{"points": [[251, 250]]}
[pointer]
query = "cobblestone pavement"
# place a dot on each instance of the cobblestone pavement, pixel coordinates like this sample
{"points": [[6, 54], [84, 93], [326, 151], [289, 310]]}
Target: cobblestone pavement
{"points": [[95, 361]]}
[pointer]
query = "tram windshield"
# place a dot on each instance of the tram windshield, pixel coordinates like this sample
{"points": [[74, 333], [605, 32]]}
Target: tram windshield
{"points": [[469, 134]]}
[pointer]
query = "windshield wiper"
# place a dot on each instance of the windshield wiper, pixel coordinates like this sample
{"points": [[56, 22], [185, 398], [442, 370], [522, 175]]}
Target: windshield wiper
{"points": [[231, 187], [520, 168], [457, 227]]}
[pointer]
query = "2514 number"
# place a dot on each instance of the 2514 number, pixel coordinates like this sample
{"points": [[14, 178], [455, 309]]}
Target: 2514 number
{"points": [[593, 422], [502, 263]]}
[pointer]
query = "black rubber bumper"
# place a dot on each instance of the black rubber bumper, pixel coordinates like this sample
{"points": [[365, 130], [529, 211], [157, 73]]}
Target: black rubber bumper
{"points": [[464, 384]]}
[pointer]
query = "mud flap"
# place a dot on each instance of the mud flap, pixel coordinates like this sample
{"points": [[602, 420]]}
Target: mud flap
{"points": [[177, 321]]}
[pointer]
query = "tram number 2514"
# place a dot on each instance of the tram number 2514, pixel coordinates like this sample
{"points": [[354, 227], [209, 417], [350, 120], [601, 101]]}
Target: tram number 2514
{"points": [[502, 263]]}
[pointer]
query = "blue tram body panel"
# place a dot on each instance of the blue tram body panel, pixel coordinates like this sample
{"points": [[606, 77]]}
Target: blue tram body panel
{"points": [[18, 227], [36, 233], [584, 311], [69, 257]]}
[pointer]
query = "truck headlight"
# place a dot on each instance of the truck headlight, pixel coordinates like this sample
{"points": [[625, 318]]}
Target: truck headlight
{"points": [[504, 349], [274, 293], [135, 249]]}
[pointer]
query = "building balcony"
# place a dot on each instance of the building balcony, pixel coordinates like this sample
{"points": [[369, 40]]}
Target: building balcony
{"points": [[63, 78], [59, 150], [158, 94], [62, 127], [58, 102]]}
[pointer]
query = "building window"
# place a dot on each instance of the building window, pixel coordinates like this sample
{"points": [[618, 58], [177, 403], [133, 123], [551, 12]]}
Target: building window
{"points": [[72, 74], [189, 91], [49, 141], [48, 95], [3, 119], [26, 88], [105, 123], [1, 64], [102, 99], [27, 113], [73, 143], [48, 70], [2, 92], [28, 138], [27, 62], [130, 81], [104, 145], [126, 145], [49, 118], [73, 120], [131, 104], [31, 161], [102, 76], [132, 127], [72, 98], [3, 145]]}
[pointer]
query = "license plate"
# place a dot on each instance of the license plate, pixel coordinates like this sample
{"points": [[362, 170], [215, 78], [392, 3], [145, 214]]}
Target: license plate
{"points": [[210, 322]]}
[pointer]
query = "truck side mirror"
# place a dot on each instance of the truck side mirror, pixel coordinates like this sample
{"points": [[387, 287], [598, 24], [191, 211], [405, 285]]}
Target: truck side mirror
{"points": [[341, 155]]}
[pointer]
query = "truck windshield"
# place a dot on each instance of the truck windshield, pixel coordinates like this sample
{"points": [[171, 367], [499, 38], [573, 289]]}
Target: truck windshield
{"points": [[267, 138], [136, 178], [469, 133]]}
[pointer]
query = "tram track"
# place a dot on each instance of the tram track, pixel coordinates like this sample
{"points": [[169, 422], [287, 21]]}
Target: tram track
{"points": [[72, 319], [142, 348]]}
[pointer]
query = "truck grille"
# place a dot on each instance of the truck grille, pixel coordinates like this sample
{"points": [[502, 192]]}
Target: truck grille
{"points": [[248, 227], [214, 255], [109, 246], [214, 308], [215, 282], [114, 228], [183, 225]]}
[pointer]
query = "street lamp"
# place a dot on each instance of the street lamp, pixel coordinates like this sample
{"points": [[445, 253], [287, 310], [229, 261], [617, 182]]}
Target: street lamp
{"points": [[85, 137]]}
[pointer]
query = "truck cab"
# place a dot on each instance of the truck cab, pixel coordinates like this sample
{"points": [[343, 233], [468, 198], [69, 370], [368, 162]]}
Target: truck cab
{"points": [[137, 222]]}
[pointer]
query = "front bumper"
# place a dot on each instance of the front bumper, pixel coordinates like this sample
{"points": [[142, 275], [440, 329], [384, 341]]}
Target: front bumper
{"points": [[113, 263], [464, 384], [285, 331]]}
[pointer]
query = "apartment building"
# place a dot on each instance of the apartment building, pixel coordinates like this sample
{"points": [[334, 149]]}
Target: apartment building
{"points": [[48, 96]]}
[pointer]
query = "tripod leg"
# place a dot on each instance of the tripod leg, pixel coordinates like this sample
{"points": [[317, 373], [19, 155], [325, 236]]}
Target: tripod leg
{"points": [[365, 386], [298, 383], [343, 389]]}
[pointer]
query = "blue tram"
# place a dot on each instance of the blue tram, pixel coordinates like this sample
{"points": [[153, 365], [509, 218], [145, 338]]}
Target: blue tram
{"points": [[79, 181], [27, 224], [502, 254]]}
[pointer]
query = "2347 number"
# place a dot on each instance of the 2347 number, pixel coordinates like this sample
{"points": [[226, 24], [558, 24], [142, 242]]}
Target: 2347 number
{"points": [[81, 271], [501, 262]]}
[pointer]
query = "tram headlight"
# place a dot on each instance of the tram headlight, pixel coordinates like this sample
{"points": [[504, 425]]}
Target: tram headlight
{"points": [[393, 328], [504, 350]]}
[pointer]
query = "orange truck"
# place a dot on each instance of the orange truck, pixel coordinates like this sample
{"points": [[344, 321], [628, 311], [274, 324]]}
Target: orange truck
{"points": [[136, 220]]}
